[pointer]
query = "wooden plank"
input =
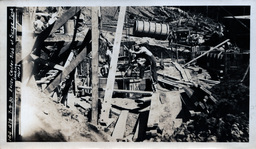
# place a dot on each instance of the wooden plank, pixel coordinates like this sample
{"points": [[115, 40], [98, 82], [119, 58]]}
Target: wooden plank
{"points": [[113, 64], [64, 18], [82, 44], [181, 70], [86, 99], [141, 126], [186, 101], [154, 113], [195, 69], [169, 82], [82, 104], [167, 76], [144, 109], [64, 49], [80, 57], [144, 99], [193, 113], [213, 99], [188, 91], [95, 63], [205, 90], [204, 84], [173, 79], [136, 133], [120, 126], [201, 105], [188, 74], [120, 91], [133, 91]]}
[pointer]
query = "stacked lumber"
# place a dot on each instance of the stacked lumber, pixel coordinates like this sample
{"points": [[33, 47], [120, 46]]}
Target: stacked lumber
{"points": [[198, 99], [184, 73]]}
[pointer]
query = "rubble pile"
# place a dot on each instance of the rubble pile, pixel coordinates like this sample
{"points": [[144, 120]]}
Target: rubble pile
{"points": [[227, 121]]}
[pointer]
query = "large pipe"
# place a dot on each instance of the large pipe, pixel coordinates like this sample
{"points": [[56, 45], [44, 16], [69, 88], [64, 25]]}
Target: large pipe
{"points": [[151, 29]]}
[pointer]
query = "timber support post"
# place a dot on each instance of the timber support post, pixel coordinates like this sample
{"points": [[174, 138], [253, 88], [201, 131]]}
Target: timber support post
{"points": [[95, 63]]}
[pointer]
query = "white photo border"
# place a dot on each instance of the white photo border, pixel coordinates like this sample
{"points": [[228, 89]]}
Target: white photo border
{"points": [[21, 3]]}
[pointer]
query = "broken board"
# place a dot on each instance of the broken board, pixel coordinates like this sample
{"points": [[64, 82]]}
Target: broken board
{"points": [[155, 107], [120, 127], [182, 71]]}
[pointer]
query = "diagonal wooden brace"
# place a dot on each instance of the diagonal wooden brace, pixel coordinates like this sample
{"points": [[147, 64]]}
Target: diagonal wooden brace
{"points": [[80, 57], [112, 71]]}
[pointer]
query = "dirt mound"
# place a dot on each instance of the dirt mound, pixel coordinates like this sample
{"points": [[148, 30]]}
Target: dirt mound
{"points": [[55, 122]]}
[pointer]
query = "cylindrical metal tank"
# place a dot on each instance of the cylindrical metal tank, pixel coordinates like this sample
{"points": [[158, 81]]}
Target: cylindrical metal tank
{"points": [[151, 29]]}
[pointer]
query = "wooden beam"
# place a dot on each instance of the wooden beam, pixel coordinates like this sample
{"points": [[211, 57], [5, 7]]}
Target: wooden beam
{"points": [[169, 77], [52, 28], [64, 49], [82, 104], [95, 63], [188, 74], [64, 18], [141, 126], [205, 90], [132, 91], [113, 64], [80, 44], [213, 99], [120, 127], [181, 70], [121, 91], [80, 57], [154, 113], [187, 101], [210, 81], [70, 57], [206, 52], [177, 85]]}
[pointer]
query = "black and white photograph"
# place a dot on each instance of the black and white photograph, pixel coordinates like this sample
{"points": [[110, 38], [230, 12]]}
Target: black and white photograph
{"points": [[128, 74]]}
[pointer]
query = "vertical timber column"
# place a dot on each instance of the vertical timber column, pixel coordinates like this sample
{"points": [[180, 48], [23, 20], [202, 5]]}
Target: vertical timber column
{"points": [[112, 70], [95, 62]]}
